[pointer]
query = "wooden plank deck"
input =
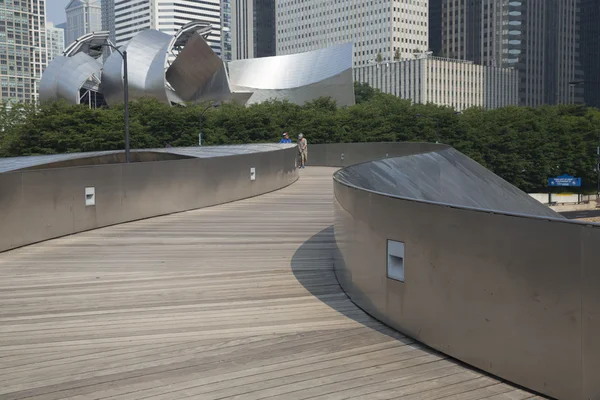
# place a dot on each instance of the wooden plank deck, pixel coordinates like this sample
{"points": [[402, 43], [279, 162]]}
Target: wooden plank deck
{"points": [[237, 301]]}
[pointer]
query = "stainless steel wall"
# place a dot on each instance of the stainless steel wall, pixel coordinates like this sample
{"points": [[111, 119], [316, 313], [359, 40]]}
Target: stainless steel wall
{"points": [[38, 205], [516, 296]]}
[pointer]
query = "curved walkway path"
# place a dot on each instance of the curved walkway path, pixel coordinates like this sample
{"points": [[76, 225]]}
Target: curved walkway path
{"points": [[235, 301]]}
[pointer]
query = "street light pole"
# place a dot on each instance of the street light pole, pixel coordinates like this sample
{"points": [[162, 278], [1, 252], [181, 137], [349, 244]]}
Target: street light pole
{"points": [[126, 102]]}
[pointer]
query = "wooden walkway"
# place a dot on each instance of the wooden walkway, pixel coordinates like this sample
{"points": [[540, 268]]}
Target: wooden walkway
{"points": [[237, 301]]}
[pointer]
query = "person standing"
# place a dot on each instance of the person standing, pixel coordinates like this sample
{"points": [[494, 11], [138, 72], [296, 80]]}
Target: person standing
{"points": [[302, 149], [285, 138]]}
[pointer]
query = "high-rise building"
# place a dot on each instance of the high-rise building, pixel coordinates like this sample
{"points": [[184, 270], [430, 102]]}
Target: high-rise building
{"points": [[55, 41], [562, 64], [435, 26], [379, 29], [83, 16], [537, 37], [590, 51], [226, 39], [107, 8], [487, 32], [170, 17], [127, 17], [253, 28], [23, 54]]}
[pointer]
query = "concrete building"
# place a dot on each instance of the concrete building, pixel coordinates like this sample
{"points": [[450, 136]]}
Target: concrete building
{"points": [[590, 51], [456, 83], [537, 37], [253, 28], [125, 18], [23, 54], [375, 27], [83, 16], [55, 41]]}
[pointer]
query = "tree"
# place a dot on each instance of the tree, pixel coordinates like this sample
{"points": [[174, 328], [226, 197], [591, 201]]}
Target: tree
{"points": [[379, 58], [397, 55], [363, 92]]}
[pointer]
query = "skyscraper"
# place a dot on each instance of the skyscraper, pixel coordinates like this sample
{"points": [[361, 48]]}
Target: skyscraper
{"points": [[127, 17], [590, 51], [562, 63], [253, 28], [55, 41], [476, 31], [107, 8], [435, 26], [537, 37], [23, 54], [226, 39], [377, 28], [83, 16]]}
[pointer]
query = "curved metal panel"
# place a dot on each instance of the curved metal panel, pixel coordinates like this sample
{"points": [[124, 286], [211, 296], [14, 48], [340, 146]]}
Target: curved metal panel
{"points": [[65, 76], [111, 85], [509, 293], [297, 78], [146, 58], [291, 71], [155, 81], [49, 81], [198, 72], [74, 74], [339, 87]]}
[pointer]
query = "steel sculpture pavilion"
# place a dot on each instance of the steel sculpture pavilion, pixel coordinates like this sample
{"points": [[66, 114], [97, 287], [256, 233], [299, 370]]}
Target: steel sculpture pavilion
{"points": [[183, 68]]}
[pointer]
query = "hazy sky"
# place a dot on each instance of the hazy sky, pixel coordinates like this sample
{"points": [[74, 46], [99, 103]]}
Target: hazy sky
{"points": [[55, 11]]}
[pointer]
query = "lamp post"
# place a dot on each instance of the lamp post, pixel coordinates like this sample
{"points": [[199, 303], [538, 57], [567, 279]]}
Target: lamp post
{"points": [[437, 124], [125, 93]]}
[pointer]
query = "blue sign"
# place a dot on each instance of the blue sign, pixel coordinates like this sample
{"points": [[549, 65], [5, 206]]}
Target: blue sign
{"points": [[564, 180]]}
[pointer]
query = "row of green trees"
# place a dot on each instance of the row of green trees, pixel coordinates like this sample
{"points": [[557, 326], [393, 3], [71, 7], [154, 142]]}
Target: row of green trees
{"points": [[523, 145]]}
